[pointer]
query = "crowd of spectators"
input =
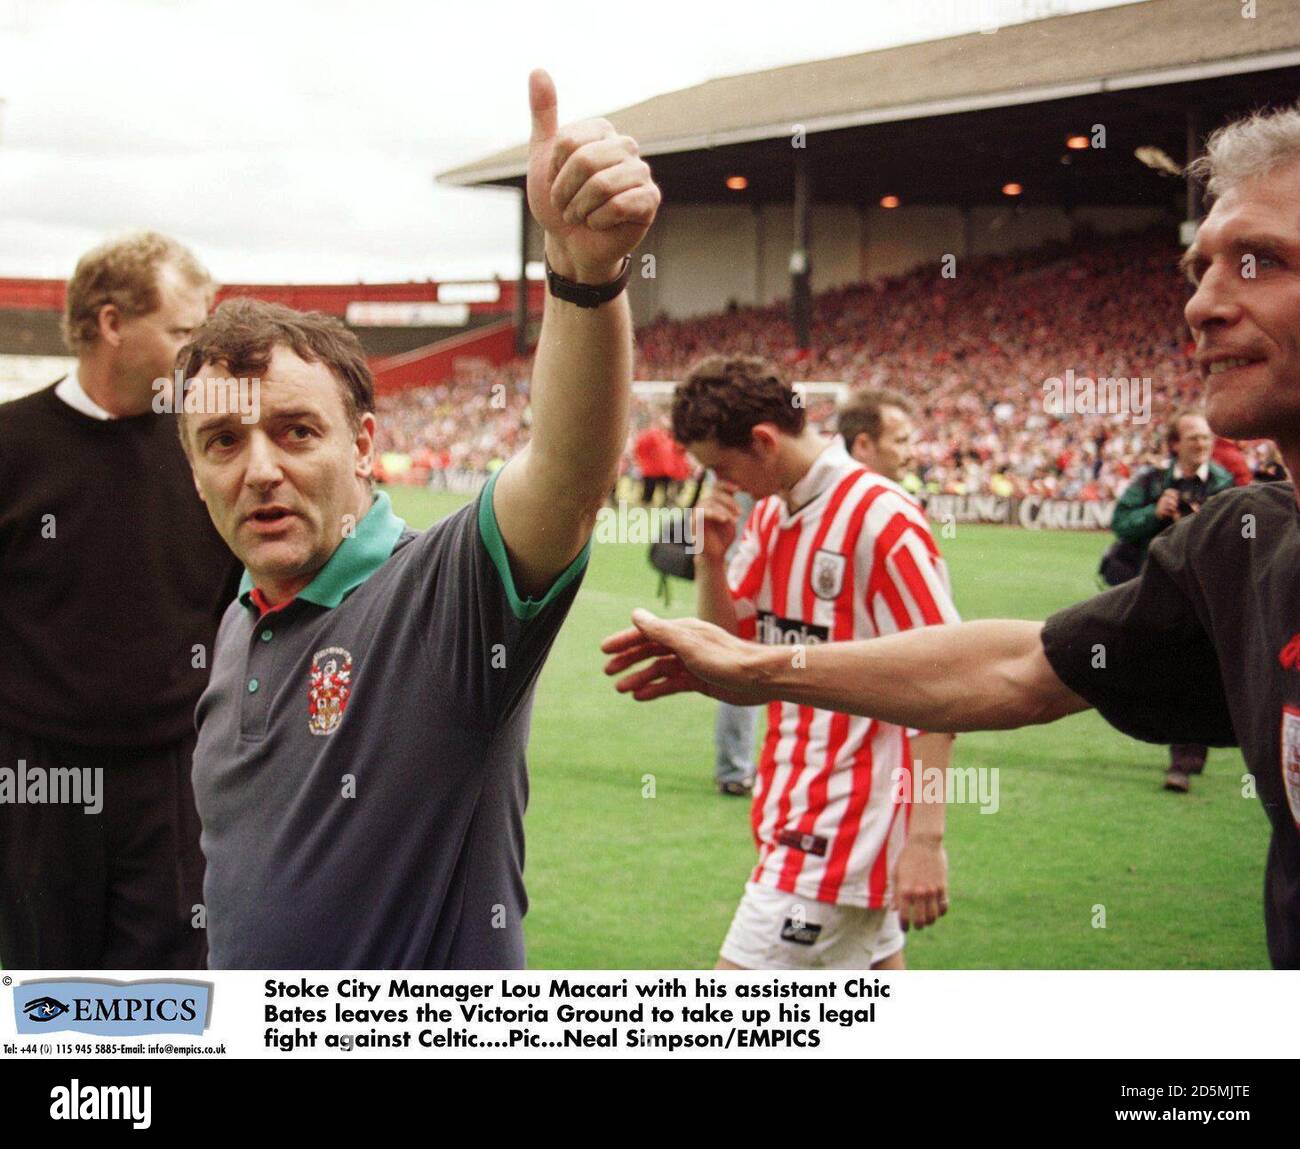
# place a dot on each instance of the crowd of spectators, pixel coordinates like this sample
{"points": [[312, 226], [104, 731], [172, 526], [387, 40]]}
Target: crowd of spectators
{"points": [[974, 349], [452, 434]]}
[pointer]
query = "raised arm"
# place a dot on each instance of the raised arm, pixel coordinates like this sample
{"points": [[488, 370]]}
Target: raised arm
{"points": [[986, 675], [595, 200], [719, 516]]}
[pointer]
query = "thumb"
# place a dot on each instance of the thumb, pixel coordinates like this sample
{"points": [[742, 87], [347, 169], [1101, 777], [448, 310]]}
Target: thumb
{"points": [[542, 100], [648, 624]]}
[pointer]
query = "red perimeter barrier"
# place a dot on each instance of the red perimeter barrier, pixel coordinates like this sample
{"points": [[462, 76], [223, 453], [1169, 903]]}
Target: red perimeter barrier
{"points": [[437, 362], [332, 298]]}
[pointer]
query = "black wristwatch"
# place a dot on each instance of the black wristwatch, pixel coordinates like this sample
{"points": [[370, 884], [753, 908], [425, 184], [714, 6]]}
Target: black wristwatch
{"points": [[587, 294]]}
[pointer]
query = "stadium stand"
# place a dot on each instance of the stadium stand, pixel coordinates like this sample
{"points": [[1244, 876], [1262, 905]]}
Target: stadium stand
{"points": [[974, 351]]}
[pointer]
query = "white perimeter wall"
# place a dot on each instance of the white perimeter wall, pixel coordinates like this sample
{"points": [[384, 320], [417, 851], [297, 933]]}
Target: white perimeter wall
{"points": [[708, 255]]}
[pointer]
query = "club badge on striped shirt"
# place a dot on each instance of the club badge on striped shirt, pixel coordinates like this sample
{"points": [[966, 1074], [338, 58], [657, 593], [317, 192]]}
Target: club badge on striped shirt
{"points": [[827, 574]]}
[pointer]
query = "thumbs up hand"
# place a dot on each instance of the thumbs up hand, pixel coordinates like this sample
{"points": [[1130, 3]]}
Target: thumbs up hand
{"points": [[588, 188]]}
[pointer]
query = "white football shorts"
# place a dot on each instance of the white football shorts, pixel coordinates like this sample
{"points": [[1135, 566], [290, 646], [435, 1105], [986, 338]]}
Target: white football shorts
{"points": [[776, 930]]}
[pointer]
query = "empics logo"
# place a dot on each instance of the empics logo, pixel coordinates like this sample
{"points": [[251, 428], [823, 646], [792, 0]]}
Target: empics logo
{"points": [[77, 1102], [44, 1009], [110, 1008]]}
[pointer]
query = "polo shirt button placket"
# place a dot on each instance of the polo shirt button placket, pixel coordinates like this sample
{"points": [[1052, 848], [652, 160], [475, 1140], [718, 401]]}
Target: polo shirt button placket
{"points": [[258, 677]]}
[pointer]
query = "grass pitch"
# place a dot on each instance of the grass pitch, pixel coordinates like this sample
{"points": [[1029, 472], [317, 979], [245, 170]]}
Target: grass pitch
{"points": [[620, 880]]}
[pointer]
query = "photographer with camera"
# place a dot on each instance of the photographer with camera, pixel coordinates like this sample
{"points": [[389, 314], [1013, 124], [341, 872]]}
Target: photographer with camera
{"points": [[1151, 503]]}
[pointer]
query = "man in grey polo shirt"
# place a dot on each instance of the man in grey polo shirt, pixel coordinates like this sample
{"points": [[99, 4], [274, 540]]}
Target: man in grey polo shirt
{"points": [[360, 763]]}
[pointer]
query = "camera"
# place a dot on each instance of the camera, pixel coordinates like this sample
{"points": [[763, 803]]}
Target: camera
{"points": [[1188, 502]]}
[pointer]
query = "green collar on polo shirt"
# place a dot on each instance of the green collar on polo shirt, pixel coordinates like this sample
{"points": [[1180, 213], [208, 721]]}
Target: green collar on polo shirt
{"points": [[355, 559]]}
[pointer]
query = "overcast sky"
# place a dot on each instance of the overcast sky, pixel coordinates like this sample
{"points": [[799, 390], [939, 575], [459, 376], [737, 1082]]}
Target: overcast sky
{"points": [[288, 141]]}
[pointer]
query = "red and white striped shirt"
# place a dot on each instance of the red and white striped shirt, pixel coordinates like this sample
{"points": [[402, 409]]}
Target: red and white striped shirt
{"points": [[855, 561]]}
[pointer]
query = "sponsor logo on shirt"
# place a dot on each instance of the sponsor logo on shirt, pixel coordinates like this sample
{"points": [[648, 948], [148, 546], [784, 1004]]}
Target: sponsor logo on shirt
{"points": [[808, 843], [777, 631], [329, 690], [1291, 759], [827, 574]]}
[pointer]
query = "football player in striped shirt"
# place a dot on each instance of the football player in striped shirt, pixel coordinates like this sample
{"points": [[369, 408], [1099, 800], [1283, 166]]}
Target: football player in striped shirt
{"points": [[831, 552]]}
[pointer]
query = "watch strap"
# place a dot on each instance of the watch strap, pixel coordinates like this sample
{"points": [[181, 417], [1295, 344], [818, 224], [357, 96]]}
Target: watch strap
{"points": [[587, 294]]}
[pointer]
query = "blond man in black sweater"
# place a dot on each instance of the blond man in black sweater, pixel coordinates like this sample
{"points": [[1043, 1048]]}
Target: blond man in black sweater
{"points": [[114, 584]]}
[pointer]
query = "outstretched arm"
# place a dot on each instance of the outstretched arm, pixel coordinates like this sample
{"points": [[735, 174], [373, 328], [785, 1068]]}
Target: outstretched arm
{"points": [[986, 675], [595, 199]]}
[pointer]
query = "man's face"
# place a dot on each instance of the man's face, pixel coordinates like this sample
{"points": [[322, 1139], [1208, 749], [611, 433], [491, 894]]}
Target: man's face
{"points": [[1245, 313], [282, 491], [149, 343], [1195, 442], [752, 469], [891, 453]]}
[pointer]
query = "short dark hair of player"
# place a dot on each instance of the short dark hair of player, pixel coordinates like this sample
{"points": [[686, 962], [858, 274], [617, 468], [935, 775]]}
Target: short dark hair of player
{"points": [[860, 414], [241, 334], [724, 397]]}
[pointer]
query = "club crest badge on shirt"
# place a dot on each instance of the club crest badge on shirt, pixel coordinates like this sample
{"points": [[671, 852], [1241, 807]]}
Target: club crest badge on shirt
{"points": [[827, 574], [330, 689], [1291, 759]]}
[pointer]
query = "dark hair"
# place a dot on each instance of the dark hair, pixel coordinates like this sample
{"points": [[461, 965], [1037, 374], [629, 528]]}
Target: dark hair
{"points": [[242, 334], [724, 397], [861, 414]]}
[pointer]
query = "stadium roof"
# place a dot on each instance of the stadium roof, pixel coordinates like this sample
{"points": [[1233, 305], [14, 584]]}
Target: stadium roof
{"points": [[1111, 53]]}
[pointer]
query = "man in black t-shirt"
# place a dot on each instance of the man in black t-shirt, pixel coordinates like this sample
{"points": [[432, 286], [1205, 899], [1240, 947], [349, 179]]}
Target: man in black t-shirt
{"points": [[1203, 647]]}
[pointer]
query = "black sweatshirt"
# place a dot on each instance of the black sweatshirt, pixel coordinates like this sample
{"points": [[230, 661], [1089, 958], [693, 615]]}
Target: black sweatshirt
{"points": [[112, 578], [1204, 647]]}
